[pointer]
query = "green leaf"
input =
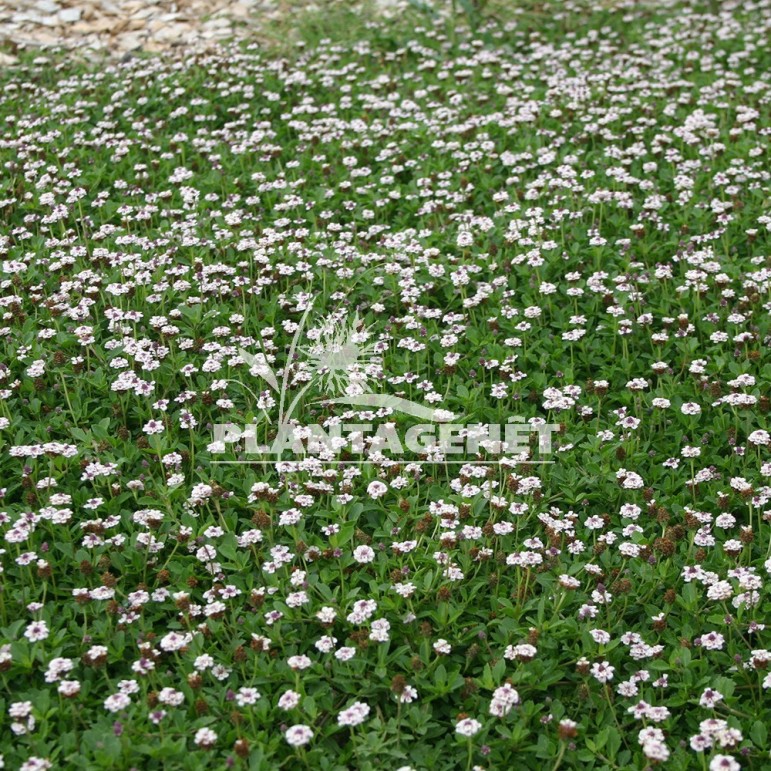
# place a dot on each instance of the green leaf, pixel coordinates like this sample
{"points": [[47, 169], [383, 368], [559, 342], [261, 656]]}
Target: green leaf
{"points": [[759, 733], [614, 742]]}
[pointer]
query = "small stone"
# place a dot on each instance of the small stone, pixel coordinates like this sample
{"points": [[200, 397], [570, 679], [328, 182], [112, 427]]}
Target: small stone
{"points": [[41, 39], [129, 42], [239, 11], [47, 6], [217, 23], [172, 34], [102, 25], [69, 15]]}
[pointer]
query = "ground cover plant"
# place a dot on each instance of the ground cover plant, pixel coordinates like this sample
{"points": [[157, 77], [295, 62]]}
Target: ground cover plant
{"points": [[563, 216]]}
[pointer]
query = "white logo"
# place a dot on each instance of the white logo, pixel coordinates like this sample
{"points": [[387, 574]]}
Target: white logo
{"points": [[343, 364]]}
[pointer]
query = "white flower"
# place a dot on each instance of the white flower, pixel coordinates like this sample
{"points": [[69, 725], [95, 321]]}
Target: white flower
{"points": [[723, 763], [468, 727], [364, 554], [298, 735], [171, 696], [116, 702], [174, 641], [464, 239], [37, 368], [298, 663], [603, 671], [442, 646], [346, 653], [355, 714], [37, 630], [205, 737], [504, 698], [69, 688], [289, 700], [377, 489], [246, 696]]}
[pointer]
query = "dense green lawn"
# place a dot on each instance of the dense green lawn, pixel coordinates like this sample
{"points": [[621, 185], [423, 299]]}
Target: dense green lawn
{"points": [[561, 217]]}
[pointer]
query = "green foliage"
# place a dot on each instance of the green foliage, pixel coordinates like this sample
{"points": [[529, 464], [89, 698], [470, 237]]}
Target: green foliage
{"points": [[160, 215]]}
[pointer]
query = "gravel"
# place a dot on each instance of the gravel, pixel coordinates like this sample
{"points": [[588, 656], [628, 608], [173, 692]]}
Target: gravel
{"points": [[115, 27]]}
